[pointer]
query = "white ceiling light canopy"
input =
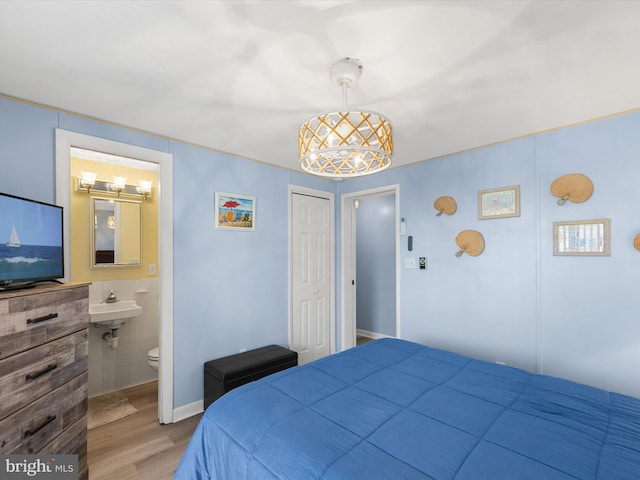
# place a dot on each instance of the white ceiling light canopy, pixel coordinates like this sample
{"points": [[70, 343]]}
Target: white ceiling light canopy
{"points": [[346, 143]]}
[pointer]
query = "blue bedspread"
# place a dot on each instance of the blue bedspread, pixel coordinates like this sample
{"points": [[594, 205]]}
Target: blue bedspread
{"points": [[393, 409]]}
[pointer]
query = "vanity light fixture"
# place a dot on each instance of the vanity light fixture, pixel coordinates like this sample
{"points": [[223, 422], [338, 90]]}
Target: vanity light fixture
{"points": [[118, 186], [87, 180], [346, 143]]}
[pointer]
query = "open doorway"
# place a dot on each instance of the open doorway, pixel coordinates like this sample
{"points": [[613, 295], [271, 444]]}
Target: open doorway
{"points": [[375, 267], [65, 140], [120, 262], [379, 309]]}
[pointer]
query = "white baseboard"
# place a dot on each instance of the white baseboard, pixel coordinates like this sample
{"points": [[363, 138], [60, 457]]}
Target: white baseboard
{"points": [[189, 410], [374, 335]]}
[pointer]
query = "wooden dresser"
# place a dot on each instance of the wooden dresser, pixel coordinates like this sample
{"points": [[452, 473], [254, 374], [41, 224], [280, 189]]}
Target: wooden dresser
{"points": [[43, 371]]}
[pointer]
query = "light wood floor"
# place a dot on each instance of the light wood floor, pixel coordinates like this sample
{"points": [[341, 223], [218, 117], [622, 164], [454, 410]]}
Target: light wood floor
{"points": [[360, 340], [137, 447]]}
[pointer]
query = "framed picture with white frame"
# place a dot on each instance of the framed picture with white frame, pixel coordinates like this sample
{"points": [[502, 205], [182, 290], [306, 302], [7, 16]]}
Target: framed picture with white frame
{"points": [[582, 237], [499, 203], [235, 212]]}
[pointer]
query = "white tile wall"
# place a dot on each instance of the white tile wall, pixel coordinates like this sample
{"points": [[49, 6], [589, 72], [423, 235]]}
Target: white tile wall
{"points": [[111, 370]]}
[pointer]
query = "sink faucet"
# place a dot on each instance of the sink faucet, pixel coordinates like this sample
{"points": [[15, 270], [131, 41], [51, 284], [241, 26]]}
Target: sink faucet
{"points": [[111, 298]]}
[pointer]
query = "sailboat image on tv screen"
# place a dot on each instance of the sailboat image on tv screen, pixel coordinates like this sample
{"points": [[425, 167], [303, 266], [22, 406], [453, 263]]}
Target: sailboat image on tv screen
{"points": [[14, 241]]}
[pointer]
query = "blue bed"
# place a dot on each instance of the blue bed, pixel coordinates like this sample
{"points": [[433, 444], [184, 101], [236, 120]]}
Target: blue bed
{"points": [[393, 409]]}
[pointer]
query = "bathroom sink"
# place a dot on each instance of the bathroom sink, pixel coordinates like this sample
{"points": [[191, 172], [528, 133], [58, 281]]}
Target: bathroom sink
{"points": [[114, 314]]}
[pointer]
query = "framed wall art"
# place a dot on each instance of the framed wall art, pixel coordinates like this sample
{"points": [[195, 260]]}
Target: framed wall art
{"points": [[235, 212], [582, 237], [499, 202]]}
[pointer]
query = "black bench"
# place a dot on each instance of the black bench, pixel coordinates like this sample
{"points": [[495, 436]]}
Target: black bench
{"points": [[227, 373]]}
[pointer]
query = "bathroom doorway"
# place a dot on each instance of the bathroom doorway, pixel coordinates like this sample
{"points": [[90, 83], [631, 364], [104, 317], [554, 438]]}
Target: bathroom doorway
{"points": [[120, 260], [65, 140]]}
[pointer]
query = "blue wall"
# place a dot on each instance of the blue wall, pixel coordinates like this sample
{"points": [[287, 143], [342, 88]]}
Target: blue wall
{"points": [[230, 288], [515, 303], [574, 317]]}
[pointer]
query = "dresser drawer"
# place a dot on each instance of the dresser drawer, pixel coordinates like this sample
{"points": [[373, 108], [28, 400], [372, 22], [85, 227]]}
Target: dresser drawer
{"points": [[74, 441], [31, 320], [28, 430], [36, 372]]}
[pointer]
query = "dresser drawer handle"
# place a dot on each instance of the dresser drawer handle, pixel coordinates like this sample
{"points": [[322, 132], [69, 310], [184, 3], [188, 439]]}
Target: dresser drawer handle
{"points": [[47, 369], [30, 433], [51, 316]]}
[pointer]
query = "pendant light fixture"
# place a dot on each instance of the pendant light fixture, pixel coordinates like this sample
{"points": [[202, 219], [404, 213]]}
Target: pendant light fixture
{"points": [[346, 143]]}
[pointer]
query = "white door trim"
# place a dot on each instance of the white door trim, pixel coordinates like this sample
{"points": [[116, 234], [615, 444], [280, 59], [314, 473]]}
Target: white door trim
{"points": [[64, 141], [332, 260], [348, 259]]}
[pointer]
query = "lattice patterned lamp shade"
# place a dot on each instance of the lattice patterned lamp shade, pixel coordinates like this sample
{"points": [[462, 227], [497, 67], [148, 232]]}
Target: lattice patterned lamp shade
{"points": [[347, 143]]}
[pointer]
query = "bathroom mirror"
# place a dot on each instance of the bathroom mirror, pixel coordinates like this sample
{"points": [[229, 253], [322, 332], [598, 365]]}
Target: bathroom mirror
{"points": [[116, 239]]}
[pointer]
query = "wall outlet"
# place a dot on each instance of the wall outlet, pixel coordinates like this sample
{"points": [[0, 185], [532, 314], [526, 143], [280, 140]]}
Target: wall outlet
{"points": [[410, 262]]}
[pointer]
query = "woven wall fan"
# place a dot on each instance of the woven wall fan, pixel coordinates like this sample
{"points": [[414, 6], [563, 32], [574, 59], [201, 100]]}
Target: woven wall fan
{"points": [[445, 205], [575, 187], [636, 242], [471, 242]]}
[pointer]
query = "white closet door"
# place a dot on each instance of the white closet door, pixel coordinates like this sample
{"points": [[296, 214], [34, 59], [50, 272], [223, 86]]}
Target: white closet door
{"points": [[311, 280]]}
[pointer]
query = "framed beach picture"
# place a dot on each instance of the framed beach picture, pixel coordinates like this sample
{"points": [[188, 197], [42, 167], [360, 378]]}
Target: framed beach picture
{"points": [[235, 212], [582, 237], [499, 203]]}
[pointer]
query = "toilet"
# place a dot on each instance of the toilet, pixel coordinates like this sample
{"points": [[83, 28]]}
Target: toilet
{"points": [[153, 357]]}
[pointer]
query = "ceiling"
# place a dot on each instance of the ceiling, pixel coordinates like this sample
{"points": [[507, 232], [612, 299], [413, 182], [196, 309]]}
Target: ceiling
{"points": [[241, 76]]}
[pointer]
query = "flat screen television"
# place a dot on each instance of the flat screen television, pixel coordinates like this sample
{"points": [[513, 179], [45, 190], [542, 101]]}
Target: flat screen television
{"points": [[31, 246]]}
